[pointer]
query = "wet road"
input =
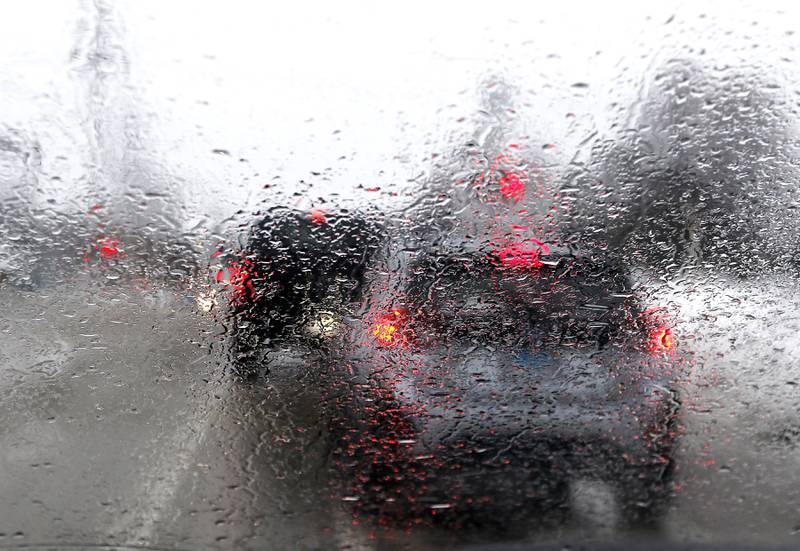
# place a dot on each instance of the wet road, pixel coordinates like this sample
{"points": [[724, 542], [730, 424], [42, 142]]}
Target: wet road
{"points": [[136, 140], [124, 429]]}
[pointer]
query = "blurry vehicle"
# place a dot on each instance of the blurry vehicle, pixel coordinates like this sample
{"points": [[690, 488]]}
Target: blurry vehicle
{"points": [[497, 382]]}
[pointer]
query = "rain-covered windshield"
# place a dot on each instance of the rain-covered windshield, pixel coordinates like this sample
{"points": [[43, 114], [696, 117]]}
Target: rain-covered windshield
{"points": [[398, 277]]}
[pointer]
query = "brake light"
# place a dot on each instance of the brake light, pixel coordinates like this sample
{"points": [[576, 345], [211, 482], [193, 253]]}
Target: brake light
{"points": [[108, 248], [104, 248], [391, 328], [318, 217], [385, 332], [660, 339], [522, 254], [512, 186], [238, 277]]}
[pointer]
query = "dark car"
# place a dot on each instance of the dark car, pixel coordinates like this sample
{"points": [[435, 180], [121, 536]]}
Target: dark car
{"points": [[473, 385]]}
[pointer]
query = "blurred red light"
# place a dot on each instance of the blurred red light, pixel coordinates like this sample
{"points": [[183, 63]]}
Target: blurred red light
{"points": [[660, 338], [318, 216], [391, 328], [664, 338], [104, 248], [512, 186], [523, 254], [239, 279], [108, 248]]}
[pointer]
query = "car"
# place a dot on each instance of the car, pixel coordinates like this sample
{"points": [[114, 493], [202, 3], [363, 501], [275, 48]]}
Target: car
{"points": [[294, 276], [473, 384]]}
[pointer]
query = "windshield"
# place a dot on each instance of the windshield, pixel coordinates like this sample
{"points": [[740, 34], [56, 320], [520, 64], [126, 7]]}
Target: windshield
{"points": [[398, 277]]}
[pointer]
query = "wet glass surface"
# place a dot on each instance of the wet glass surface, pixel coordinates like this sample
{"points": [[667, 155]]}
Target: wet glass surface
{"points": [[408, 277]]}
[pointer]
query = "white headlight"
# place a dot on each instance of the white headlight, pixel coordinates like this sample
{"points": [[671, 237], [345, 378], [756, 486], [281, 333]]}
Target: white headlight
{"points": [[324, 324], [206, 300]]}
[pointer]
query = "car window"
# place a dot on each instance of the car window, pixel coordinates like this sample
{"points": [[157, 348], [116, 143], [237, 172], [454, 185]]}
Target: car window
{"points": [[398, 276]]}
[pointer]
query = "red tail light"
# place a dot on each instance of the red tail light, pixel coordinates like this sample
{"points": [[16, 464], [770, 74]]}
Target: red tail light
{"points": [[238, 277], [391, 328], [522, 254], [512, 186], [660, 339], [317, 216], [104, 248]]}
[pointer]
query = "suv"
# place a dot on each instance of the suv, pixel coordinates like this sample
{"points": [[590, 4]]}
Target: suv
{"points": [[471, 385]]}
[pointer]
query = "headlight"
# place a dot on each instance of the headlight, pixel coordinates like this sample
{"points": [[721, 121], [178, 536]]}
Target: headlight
{"points": [[325, 324], [206, 300]]}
